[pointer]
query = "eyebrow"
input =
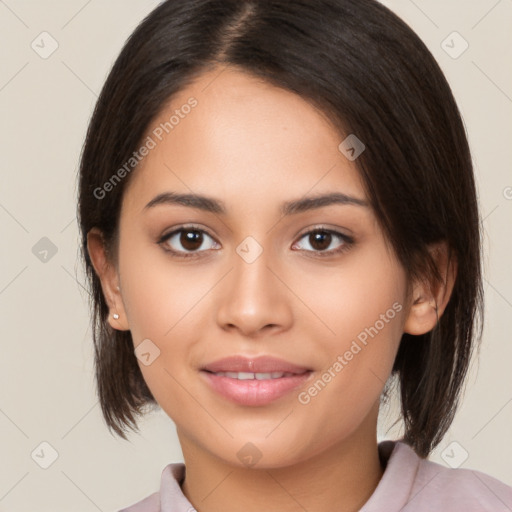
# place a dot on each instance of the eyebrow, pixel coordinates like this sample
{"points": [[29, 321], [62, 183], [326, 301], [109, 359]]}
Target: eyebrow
{"points": [[209, 204]]}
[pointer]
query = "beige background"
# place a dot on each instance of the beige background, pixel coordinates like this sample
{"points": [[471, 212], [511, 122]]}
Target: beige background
{"points": [[47, 391]]}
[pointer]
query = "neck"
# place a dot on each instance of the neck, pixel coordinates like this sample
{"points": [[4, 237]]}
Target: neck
{"points": [[341, 478]]}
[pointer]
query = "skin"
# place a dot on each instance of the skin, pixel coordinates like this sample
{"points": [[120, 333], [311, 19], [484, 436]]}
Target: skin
{"points": [[254, 146]]}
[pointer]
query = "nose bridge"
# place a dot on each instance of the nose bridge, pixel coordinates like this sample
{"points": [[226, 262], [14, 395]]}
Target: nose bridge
{"points": [[251, 266], [252, 278], [254, 296]]}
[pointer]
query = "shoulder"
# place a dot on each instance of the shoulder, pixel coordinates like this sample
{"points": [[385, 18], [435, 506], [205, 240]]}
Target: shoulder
{"points": [[436, 487], [149, 504], [461, 489]]}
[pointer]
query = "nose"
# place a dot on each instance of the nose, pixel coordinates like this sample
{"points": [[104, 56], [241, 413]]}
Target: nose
{"points": [[254, 297]]}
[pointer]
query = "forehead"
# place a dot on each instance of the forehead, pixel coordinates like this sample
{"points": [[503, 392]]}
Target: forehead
{"points": [[243, 138]]}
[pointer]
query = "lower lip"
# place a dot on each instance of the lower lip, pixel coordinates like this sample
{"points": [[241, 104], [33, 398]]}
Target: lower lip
{"points": [[253, 391]]}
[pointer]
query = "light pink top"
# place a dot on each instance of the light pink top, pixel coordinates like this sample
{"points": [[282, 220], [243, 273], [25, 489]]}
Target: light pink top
{"points": [[409, 484]]}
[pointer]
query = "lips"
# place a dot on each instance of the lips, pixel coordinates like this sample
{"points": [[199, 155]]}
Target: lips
{"points": [[262, 364], [254, 381]]}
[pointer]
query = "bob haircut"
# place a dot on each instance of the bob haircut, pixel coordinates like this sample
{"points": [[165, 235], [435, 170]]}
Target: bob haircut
{"points": [[371, 75]]}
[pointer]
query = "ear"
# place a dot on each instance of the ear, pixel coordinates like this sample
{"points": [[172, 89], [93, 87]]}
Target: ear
{"points": [[109, 278], [430, 298]]}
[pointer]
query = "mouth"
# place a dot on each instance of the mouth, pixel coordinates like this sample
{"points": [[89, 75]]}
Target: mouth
{"points": [[253, 376], [262, 365], [254, 382]]}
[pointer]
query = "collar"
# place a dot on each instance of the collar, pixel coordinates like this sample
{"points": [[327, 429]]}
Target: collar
{"points": [[394, 455]]}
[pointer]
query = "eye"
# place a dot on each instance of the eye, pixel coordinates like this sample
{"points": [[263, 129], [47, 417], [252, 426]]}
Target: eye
{"points": [[320, 239], [190, 238], [194, 240]]}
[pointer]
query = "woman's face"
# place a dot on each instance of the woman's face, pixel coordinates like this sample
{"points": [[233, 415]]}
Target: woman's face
{"points": [[257, 280]]}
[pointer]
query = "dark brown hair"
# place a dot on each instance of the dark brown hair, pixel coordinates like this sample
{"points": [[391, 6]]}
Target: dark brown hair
{"points": [[371, 75]]}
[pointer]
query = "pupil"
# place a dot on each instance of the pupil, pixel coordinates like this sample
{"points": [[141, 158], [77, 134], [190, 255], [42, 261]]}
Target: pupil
{"points": [[191, 240], [322, 238]]}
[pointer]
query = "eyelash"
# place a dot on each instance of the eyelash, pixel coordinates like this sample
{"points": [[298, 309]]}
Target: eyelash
{"points": [[347, 241]]}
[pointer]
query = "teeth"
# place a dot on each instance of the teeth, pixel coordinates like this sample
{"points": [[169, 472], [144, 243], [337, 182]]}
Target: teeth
{"points": [[245, 376], [252, 376]]}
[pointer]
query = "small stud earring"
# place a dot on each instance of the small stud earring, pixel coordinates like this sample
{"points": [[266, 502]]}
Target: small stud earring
{"points": [[116, 316]]}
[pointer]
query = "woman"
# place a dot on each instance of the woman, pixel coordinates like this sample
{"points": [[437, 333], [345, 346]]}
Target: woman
{"points": [[279, 217]]}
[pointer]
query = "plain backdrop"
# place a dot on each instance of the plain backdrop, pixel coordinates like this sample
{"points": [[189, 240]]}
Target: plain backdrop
{"points": [[47, 390]]}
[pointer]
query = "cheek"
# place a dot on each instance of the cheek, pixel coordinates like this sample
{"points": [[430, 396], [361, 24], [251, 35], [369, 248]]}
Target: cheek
{"points": [[367, 288], [158, 295], [358, 363], [361, 307], [162, 304]]}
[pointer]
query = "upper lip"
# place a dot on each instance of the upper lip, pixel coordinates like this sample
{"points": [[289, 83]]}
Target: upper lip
{"points": [[262, 364]]}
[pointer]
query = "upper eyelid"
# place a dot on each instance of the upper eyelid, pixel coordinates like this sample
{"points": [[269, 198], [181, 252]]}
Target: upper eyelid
{"points": [[322, 227], [185, 228]]}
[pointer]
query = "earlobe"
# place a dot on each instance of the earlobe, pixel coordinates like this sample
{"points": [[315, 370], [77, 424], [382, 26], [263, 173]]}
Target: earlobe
{"points": [[430, 298], [107, 274]]}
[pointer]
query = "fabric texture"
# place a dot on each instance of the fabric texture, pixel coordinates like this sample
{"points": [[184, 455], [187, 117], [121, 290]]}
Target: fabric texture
{"points": [[409, 484]]}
